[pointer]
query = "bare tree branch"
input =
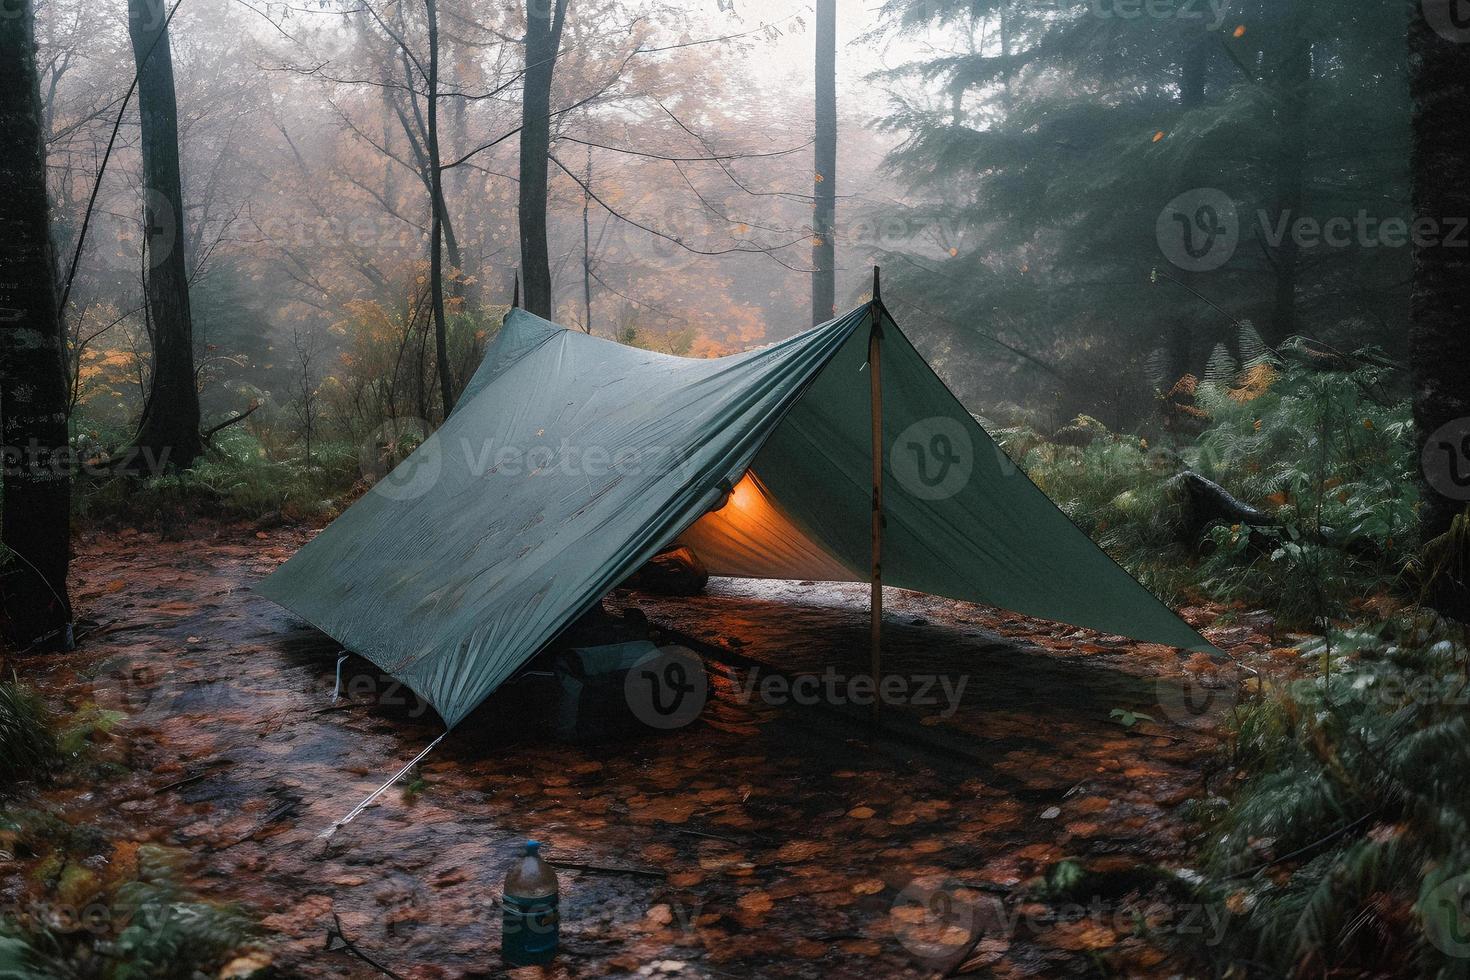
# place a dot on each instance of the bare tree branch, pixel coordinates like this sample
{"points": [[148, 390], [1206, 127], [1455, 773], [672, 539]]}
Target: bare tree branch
{"points": [[753, 249]]}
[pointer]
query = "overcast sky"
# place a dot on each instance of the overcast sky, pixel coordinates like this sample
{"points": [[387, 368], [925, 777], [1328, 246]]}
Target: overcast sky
{"points": [[787, 59]]}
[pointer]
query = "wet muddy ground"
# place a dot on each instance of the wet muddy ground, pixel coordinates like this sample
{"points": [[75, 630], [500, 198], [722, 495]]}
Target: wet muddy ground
{"points": [[769, 837]]}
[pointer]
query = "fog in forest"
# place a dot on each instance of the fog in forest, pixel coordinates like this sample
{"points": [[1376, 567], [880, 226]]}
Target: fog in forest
{"points": [[1011, 166], [875, 487]]}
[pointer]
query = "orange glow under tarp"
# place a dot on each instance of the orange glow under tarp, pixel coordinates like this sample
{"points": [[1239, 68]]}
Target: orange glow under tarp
{"points": [[751, 537]]}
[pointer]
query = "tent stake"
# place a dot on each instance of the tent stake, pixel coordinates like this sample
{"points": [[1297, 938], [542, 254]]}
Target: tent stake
{"points": [[515, 296], [875, 394]]}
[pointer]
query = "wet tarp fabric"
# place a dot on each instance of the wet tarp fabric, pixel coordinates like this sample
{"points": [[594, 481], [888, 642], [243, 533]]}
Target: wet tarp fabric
{"points": [[571, 460]]}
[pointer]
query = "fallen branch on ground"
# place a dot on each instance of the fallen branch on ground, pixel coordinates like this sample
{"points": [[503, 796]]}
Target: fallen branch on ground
{"points": [[209, 434], [603, 869], [352, 949]]}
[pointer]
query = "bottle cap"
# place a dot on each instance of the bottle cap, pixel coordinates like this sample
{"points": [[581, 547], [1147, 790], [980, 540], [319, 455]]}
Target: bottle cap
{"points": [[532, 846]]}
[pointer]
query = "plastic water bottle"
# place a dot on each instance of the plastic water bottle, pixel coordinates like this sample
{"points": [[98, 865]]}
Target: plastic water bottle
{"points": [[530, 929]]}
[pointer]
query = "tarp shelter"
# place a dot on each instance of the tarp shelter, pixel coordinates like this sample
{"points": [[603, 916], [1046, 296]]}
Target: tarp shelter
{"points": [[569, 461]]}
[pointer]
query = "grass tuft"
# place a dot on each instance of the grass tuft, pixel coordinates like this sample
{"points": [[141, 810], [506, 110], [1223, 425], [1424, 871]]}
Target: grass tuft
{"points": [[29, 743]]}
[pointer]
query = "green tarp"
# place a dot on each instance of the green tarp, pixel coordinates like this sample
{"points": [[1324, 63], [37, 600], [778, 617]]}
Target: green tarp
{"points": [[570, 461]]}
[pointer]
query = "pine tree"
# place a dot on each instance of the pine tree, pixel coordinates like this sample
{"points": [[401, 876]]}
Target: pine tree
{"points": [[1067, 131]]}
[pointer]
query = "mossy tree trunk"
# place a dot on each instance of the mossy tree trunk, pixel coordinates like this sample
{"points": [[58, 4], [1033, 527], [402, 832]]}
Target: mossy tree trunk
{"points": [[35, 526]]}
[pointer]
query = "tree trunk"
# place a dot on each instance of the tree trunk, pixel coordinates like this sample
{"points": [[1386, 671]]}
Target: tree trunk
{"points": [[1294, 80], [1440, 300], [416, 131], [390, 183], [35, 526], [169, 430], [436, 232], [824, 215], [587, 247], [457, 185], [543, 41]]}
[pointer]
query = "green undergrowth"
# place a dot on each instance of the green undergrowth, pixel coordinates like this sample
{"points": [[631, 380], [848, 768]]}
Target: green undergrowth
{"points": [[1335, 838], [1327, 457], [133, 920], [81, 905], [1344, 849], [237, 479], [30, 738]]}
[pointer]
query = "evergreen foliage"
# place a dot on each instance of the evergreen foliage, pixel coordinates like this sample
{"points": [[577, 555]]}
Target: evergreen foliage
{"points": [[1064, 131]]}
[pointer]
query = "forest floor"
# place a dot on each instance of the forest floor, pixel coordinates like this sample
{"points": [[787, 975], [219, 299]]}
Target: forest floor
{"points": [[768, 838]]}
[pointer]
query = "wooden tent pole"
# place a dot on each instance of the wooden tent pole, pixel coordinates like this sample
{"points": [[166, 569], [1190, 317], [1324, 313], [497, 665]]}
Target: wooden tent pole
{"points": [[875, 394]]}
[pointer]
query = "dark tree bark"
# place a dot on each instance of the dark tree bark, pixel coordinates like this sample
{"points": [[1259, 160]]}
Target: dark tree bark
{"points": [[169, 430], [35, 525], [1292, 90], [1439, 337], [390, 182], [587, 247], [436, 233], [824, 215], [543, 41], [415, 126]]}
